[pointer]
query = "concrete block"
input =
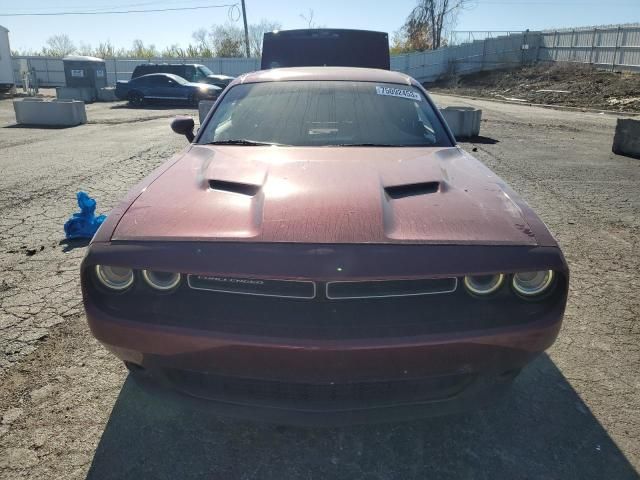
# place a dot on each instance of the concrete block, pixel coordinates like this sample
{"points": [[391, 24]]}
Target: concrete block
{"points": [[107, 94], [464, 122], [86, 94], [203, 108], [627, 138], [55, 113]]}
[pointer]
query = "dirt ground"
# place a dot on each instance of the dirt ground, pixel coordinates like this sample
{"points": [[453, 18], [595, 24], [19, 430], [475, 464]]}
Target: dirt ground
{"points": [[571, 85], [68, 410]]}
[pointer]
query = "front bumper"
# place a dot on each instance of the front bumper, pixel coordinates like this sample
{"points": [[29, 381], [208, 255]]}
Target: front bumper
{"points": [[325, 382], [291, 375]]}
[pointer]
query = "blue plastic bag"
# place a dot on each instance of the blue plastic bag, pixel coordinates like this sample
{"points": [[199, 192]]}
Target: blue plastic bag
{"points": [[83, 224]]}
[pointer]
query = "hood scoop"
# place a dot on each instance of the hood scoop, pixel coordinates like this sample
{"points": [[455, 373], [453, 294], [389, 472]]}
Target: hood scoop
{"points": [[247, 189], [412, 189]]}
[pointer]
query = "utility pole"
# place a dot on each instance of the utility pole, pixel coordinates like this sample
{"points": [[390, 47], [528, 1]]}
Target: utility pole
{"points": [[246, 30]]}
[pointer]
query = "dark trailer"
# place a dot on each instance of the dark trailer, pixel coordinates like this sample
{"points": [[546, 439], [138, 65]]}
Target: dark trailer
{"points": [[325, 47]]}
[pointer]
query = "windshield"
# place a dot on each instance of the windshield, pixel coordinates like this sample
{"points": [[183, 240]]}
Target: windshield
{"points": [[178, 79], [325, 113], [205, 70]]}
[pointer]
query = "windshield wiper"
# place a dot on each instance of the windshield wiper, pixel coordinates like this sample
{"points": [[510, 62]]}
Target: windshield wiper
{"points": [[241, 141]]}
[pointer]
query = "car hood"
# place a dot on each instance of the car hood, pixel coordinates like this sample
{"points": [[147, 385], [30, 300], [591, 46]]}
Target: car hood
{"points": [[328, 195], [203, 85], [220, 77]]}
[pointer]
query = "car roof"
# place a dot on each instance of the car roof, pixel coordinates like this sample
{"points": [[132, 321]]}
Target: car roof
{"points": [[327, 73], [82, 58]]}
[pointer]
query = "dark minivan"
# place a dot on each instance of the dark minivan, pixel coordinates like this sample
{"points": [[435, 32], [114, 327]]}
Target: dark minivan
{"points": [[190, 72]]}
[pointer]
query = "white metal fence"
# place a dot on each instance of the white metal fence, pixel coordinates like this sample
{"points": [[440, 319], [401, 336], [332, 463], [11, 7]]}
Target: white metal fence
{"points": [[50, 71], [503, 51], [121, 69], [615, 48]]}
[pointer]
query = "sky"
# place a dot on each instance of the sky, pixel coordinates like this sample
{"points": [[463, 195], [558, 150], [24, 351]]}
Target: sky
{"points": [[166, 28]]}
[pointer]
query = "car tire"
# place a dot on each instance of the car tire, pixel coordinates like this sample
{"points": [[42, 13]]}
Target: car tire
{"points": [[136, 99]]}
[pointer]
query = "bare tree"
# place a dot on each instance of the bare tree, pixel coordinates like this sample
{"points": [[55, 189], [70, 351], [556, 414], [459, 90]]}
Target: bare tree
{"points": [[59, 46], [201, 37], [410, 39], [227, 40], [173, 51], [140, 50], [309, 19], [256, 34], [430, 19], [84, 49], [202, 47], [105, 50]]}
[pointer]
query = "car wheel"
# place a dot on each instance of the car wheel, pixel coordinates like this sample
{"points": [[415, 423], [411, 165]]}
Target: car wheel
{"points": [[136, 99]]}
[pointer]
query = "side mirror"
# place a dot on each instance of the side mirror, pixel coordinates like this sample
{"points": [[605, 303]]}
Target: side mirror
{"points": [[184, 126]]}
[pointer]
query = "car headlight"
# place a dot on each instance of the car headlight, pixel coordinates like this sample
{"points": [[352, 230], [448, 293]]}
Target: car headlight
{"points": [[115, 278], [530, 284], [483, 284], [161, 280]]}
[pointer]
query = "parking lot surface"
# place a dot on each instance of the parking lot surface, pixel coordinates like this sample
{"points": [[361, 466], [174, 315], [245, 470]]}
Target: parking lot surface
{"points": [[68, 410]]}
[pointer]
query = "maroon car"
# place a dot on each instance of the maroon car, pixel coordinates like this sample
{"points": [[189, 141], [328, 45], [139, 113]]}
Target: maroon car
{"points": [[324, 252]]}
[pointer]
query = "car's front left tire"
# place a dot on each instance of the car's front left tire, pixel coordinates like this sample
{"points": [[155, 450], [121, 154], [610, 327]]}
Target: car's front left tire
{"points": [[136, 99]]}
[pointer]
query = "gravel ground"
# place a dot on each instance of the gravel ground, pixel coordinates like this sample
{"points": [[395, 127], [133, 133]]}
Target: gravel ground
{"points": [[568, 84], [68, 410]]}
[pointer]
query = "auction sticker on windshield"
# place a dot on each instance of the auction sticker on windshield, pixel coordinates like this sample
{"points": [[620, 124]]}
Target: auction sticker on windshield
{"points": [[398, 92]]}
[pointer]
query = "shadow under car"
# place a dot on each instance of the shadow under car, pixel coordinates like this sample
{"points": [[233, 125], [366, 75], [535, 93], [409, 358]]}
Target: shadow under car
{"points": [[541, 429]]}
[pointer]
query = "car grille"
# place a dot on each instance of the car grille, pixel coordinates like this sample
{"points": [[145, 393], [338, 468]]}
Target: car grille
{"points": [[323, 318], [334, 290], [390, 288]]}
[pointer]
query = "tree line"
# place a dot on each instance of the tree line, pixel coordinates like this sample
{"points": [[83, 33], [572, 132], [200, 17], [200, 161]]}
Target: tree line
{"points": [[217, 41], [425, 28]]}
